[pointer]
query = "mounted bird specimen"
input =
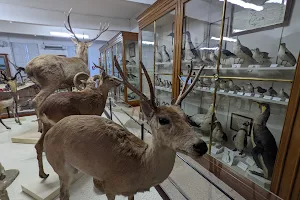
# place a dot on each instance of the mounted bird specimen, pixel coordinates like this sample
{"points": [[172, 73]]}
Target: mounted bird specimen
{"points": [[165, 54], [264, 144], [218, 134], [283, 95], [223, 85], [250, 88], [158, 55], [285, 55], [243, 52], [213, 57], [272, 92], [261, 57], [193, 51], [233, 87], [261, 90], [226, 54], [240, 139]]}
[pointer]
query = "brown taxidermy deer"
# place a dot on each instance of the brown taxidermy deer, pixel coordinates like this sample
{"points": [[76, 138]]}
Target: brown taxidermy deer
{"points": [[89, 101], [12, 84], [52, 72], [120, 162]]}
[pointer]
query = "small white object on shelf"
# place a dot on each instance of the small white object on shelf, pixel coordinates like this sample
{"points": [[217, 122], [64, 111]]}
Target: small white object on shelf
{"points": [[257, 95], [216, 150], [268, 97], [236, 65], [242, 165], [228, 156], [248, 94], [240, 93], [276, 98], [287, 100], [274, 65], [230, 92], [222, 90], [250, 161]]}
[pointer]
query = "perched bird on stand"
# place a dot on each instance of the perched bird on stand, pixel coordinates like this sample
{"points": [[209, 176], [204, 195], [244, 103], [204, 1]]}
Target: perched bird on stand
{"points": [[192, 48], [250, 88], [223, 85], [283, 95], [213, 57], [261, 57], [243, 52], [240, 139], [264, 144], [260, 90], [158, 55], [243, 89], [272, 92], [285, 55], [218, 134], [225, 54], [233, 87], [165, 54]]}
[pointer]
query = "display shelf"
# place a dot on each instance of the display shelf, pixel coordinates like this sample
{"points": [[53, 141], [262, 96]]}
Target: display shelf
{"points": [[259, 99], [163, 88], [249, 68]]}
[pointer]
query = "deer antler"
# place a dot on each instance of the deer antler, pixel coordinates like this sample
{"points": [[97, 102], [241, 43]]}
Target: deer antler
{"points": [[99, 67], [102, 29], [3, 75], [134, 89], [69, 27], [184, 92]]}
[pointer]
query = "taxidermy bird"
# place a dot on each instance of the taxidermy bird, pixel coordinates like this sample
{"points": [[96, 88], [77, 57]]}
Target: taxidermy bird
{"points": [[223, 85], [218, 134], [264, 145], [261, 57], [213, 57], [226, 54], [272, 92], [243, 89], [206, 60], [203, 120], [240, 139], [260, 90], [165, 54], [243, 52], [283, 95], [250, 88], [285, 55], [193, 50], [158, 55], [233, 87]]}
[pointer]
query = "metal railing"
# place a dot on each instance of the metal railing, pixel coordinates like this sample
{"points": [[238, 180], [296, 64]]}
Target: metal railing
{"points": [[179, 156]]}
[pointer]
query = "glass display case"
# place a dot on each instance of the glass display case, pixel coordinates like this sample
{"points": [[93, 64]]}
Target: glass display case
{"points": [[239, 104], [124, 47]]}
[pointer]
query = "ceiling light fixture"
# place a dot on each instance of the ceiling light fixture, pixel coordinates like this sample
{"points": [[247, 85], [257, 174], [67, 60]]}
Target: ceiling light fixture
{"points": [[246, 5], [224, 38], [276, 1], [148, 42], [10, 22], [67, 35], [209, 48]]}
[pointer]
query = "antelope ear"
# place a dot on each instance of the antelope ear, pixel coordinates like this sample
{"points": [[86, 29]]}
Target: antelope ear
{"points": [[89, 44], [147, 110], [74, 40]]}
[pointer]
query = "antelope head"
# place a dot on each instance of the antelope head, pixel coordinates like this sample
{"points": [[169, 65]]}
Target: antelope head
{"points": [[106, 80], [11, 82], [82, 46], [169, 124]]}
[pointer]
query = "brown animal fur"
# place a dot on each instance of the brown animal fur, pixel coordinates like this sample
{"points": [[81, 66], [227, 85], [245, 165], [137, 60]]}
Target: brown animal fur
{"points": [[90, 101], [121, 163]]}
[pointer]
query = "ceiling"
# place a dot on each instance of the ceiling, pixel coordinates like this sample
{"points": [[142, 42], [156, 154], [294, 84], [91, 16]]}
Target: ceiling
{"points": [[106, 8]]}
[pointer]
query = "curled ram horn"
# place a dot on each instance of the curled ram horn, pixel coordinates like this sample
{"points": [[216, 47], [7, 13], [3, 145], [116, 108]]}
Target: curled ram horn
{"points": [[80, 79]]}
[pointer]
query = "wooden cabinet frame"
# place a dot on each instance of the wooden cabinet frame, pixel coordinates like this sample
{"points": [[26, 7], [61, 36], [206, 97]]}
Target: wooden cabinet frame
{"points": [[122, 36], [241, 184]]}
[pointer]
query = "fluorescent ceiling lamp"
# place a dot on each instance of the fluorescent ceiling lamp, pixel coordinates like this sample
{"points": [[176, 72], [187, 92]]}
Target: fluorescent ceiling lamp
{"points": [[143, 1], [276, 1], [68, 35], [246, 5], [209, 48], [237, 30], [147, 42], [224, 38]]}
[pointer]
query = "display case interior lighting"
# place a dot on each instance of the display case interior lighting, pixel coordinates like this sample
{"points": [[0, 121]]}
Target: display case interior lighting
{"points": [[224, 38], [148, 42], [246, 5], [209, 48], [67, 35]]}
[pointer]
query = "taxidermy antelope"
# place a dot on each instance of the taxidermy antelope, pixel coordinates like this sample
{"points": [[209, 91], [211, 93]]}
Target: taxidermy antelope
{"points": [[51, 72], [7, 103], [121, 163], [89, 101], [18, 69], [12, 83]]}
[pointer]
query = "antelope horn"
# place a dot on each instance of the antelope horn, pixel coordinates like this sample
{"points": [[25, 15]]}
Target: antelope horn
{"points": [[99, 67], [69, 27], [184, 92], [78, 78], [4, 75]]}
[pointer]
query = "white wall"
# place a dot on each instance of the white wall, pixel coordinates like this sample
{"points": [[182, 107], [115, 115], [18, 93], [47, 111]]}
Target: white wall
{"points": [[93, 50]]}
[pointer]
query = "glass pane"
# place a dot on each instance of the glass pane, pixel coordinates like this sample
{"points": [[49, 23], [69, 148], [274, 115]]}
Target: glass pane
{"points": [[109, 61], [148, 56], [132, 67]]}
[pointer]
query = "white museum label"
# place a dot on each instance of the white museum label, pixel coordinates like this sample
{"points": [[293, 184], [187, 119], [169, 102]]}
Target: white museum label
{"points": [[236, 65], [251, 66], [231, 92], [267, 97], [250, 161], [276, 98], [214, 150], [248, 94], [257, 95], [287, 100], [240, 93], [274, 65], [222, 90], [242, 166]]}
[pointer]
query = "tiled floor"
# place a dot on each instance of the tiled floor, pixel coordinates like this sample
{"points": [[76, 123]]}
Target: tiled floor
{"points": [[23, 157]]}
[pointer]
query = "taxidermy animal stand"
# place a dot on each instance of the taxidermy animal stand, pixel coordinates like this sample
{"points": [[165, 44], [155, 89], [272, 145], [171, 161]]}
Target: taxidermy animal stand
{"points": [[51, 72], [264, 145], [11, 103], [89, 101], [116, 158]]}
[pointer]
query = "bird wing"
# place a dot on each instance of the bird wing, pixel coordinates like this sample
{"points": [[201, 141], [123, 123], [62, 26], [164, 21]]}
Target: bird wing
{"points": [[227, 53], [290, 55], [246, 50]]}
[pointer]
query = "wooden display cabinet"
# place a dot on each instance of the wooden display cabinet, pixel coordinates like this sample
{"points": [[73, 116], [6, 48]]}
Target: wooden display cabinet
{"points": [[125, 47], [191, 32]]}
